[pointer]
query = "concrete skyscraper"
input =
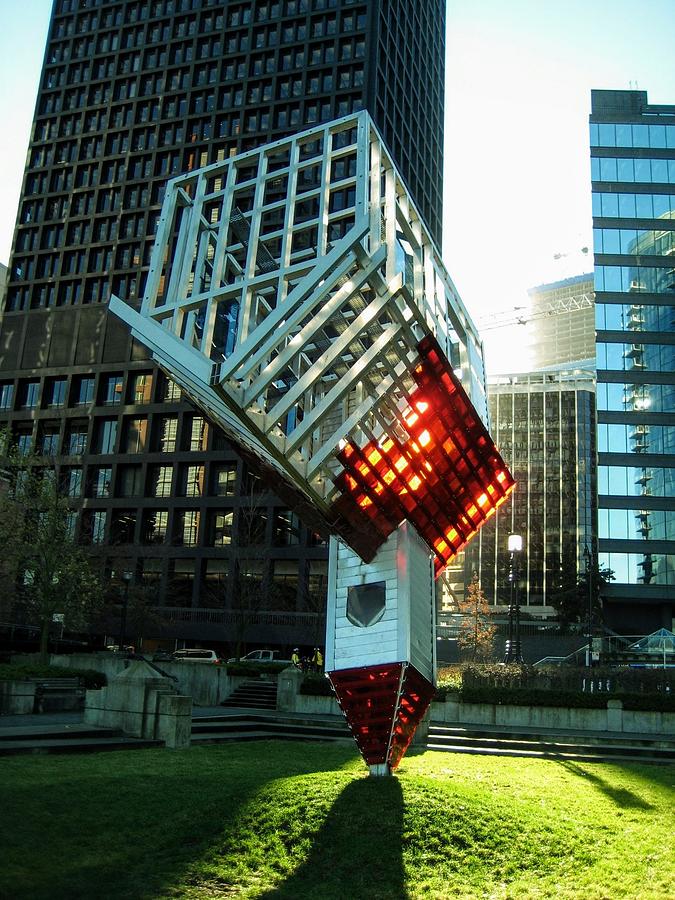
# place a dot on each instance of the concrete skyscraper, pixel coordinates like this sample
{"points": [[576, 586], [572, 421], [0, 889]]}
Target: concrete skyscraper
{"points": [[132, 93]]}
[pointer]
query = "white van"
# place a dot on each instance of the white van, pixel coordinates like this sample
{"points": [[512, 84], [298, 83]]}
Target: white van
{"points": [[195, 656]]}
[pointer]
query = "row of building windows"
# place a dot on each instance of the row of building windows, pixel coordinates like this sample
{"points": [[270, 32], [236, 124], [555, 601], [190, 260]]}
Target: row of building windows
{"points": [[637, 437], [636, 357], [60, 391], [624, 134], [633, 206], [635, 397], [637, 524], [636, 481], [136, 480], [635, 279], [75, 437], [634, 317], [639, 171], [639, 568], [190, 527], [643, 241]]}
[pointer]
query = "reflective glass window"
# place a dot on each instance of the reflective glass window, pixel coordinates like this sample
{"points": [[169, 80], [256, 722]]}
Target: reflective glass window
{"points": [[657, 135], [640, 135], [627, 206], [625, 170], [624, 136], [643, 206]]}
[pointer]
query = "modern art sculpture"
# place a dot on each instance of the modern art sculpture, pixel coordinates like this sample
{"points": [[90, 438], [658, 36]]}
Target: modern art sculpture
{"points": [[295, 295]]}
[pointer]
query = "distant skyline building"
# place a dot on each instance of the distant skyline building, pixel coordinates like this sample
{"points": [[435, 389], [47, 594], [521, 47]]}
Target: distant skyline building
{"points": [[561, 322], [633, 175], [132, 93], [544, 426]]}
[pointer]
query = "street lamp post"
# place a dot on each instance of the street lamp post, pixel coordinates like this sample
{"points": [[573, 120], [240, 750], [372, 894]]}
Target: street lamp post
{"points": [[588, 559], [513, 651], [126, 578]]}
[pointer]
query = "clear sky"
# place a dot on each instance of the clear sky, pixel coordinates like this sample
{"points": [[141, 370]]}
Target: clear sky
{"points": [[519, 76]]}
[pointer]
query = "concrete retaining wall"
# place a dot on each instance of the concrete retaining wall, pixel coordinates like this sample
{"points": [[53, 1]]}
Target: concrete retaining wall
{"points": [[612, 718], [207, 684], [17, 698]]}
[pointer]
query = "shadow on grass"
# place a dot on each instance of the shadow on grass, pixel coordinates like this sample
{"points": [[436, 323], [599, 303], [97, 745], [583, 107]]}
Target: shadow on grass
{"points": [[130, 825], [358, 852], [621, 796]]}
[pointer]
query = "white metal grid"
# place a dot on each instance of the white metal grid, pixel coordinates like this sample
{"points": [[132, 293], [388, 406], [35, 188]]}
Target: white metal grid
{"points": [[288, 290]]}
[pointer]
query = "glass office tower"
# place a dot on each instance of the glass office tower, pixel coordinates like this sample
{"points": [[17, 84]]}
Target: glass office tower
{"points": [[544, 425], [633, 174], [132, 93]]}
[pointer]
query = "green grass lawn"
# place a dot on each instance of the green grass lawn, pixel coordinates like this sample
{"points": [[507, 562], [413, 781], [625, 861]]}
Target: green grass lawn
{"points": [[293, 820]]}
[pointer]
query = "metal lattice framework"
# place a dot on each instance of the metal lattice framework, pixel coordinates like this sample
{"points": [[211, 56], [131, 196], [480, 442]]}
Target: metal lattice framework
{"points": [[288, 293]]}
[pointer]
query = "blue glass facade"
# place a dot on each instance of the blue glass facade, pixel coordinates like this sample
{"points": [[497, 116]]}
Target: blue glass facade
{"points": [[633, 170]]}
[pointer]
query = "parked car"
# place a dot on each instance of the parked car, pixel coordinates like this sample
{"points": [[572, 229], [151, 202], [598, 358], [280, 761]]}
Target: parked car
{"points": [[162, 656], [194, 655], [261, 656]]}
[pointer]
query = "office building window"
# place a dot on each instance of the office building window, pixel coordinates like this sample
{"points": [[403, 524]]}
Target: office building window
{"points": [[76, 438], [192, 481], [129, 481], [141, 388], [220, 528], [83, 390], [286, 528], [29, 394], [99, 480], [55, 392], [72, 481], [187, 527], [123, 527], [159, 480], [135, 433], [106, 435], [49, 440], [111, 393], [6, 395], [224, 480], [155, 524], [197, 433], [166, 428]]}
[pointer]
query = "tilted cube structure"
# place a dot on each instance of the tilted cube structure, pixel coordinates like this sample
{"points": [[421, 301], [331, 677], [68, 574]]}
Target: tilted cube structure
{"points": [[296, 296]]}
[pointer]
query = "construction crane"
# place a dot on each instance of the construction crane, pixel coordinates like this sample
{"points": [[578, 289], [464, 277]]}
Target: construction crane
{"points": [[521, 315]]}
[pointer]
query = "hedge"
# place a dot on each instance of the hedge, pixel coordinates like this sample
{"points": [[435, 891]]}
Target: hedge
{"points": [[316, 686], [91, 679]]}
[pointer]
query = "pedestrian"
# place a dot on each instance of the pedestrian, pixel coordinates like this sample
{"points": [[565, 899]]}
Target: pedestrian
{"points": [[317, 660], [295, 657]]}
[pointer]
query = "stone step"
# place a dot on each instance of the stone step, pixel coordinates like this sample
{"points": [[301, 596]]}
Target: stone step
{"points": [[253, 695], [577, 746], [234, 728], [74, 745]]}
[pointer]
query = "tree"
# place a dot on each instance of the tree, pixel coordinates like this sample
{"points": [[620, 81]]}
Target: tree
{"points": [[476, 630], [49, 574], [573, 603]]}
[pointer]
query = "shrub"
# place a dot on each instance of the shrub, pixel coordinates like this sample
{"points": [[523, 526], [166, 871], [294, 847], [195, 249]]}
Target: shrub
{"points": [[316, 686], [90, 678]]}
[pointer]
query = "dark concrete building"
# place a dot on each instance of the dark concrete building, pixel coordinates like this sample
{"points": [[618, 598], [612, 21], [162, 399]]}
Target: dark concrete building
{"points": [[633, 174], [132, 93]]}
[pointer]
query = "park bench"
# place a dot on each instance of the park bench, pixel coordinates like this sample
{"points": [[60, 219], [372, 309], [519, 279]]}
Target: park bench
{"points": [[58, 694]]}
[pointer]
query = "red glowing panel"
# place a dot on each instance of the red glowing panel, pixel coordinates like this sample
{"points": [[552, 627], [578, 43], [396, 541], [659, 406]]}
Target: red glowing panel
{"points": [[447, 478], [383, 706]]}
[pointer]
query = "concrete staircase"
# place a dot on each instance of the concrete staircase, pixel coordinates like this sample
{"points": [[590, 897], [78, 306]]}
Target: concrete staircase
{"points": [[68, 739], [258, 694], [252, 727], [549, 744]]}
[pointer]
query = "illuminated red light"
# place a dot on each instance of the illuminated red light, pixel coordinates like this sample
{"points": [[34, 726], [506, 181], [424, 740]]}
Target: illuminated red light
{"points": [[450, 463]]}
